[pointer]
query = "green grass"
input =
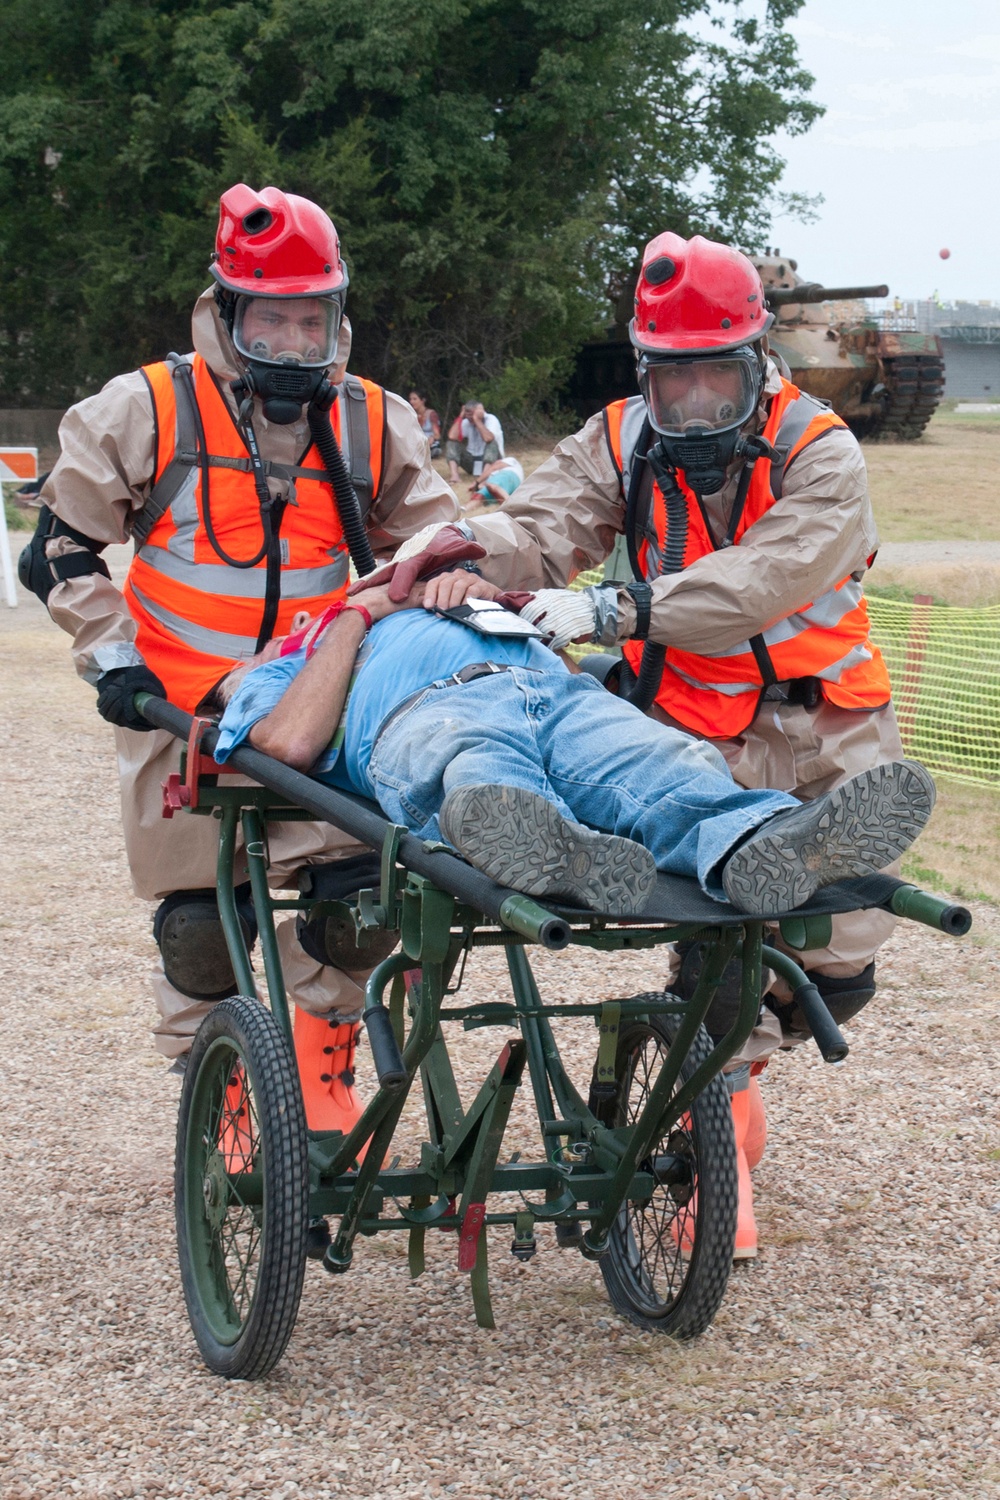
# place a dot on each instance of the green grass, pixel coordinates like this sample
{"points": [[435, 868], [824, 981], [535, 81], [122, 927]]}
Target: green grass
{"points": [[17, 520], [899, 593]]}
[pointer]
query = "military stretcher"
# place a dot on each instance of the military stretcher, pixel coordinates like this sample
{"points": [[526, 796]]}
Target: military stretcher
{"points": [[640, 1175]]}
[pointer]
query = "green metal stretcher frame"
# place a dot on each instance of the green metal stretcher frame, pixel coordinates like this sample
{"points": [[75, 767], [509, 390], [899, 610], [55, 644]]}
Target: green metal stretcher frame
{"points": [[440, 906]]}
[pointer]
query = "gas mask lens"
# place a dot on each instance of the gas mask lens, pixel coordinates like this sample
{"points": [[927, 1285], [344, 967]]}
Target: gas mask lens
{"points": [[287, 330], [701, 395]]}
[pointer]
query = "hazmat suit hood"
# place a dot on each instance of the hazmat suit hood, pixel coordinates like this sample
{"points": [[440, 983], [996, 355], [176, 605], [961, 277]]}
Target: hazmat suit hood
{"points": [[212, 342]]}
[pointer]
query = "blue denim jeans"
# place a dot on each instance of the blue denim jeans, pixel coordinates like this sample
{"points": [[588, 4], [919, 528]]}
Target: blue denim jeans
{"points": [[596, 758]]}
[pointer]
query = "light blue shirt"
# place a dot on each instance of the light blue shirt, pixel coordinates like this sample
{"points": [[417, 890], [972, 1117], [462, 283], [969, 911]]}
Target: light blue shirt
{"points": [[402, 654]]}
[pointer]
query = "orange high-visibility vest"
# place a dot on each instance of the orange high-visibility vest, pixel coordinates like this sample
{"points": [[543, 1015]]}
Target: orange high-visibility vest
{"points": [[196, 615], [827, 638]]}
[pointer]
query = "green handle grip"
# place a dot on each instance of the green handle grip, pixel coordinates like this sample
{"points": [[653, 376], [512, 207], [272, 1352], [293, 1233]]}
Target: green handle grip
{"points": [[532, 921], [921, 906]]}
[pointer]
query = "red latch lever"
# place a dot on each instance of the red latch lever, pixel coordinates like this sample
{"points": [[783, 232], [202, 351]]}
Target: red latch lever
{"points": [[181, 792], [175, 794]]}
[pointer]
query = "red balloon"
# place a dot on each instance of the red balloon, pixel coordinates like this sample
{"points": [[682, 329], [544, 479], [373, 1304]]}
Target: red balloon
{"points": [[944, 254]]}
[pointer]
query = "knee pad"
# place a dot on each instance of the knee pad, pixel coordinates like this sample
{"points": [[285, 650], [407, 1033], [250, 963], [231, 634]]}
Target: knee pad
{"points": [[844, 998], [188, 931], [328, 933]]}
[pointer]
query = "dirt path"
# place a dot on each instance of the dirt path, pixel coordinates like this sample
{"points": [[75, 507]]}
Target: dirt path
{"points": [[856, 1358]]}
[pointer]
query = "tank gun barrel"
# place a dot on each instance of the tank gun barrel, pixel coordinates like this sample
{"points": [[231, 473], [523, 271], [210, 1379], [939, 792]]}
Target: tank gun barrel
{"points": [[811, 291]]}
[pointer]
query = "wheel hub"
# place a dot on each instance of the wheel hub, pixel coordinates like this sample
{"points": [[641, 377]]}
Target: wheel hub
{"points": [[215, 1190]]}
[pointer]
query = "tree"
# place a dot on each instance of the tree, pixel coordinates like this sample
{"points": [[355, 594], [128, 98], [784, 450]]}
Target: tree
{"points": [[493, 167]]}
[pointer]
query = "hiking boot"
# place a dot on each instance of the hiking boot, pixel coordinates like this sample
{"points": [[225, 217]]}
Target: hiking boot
{"points": [[521, 841], [857, 829]]}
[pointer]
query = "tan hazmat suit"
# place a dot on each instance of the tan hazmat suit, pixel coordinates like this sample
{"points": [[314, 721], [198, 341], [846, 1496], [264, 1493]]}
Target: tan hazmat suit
{"points": [[100, 484]]}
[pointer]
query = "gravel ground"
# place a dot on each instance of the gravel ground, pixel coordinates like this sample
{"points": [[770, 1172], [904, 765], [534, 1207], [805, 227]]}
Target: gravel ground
{"points": [[941, 553], [857, 1357]]}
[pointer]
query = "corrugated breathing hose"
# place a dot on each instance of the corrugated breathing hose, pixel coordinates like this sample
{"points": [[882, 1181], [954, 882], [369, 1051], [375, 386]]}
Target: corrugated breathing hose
{"points": [[644, 689], [344, 493]]}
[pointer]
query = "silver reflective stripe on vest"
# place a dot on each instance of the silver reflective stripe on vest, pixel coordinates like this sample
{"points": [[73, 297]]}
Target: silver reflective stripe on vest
{"points": [[178, 472], [833, 673], [212, 642], [177, 491], [633, 420], [854, 658], [824, 614], [728, 689], [184, 514], [791, 429], [243, 583]]}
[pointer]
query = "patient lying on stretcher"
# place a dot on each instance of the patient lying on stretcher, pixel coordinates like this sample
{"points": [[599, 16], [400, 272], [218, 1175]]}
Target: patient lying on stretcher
{"points": [[540, 778]]}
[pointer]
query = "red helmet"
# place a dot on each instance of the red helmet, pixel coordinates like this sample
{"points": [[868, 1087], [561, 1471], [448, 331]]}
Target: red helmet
{"points": [[695, 296], [275, 244]]}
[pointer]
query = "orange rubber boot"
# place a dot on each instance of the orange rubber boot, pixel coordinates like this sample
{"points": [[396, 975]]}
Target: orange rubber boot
{"points": [[756, 1137], [746, 1225], [324, 1051], [237, 1130]]}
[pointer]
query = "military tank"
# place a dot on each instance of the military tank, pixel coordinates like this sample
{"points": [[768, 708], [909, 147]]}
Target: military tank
{"points": [[884, 383]]}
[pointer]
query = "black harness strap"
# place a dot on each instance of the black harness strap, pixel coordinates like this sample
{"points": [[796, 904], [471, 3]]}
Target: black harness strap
{"points": [[359, 443], [271, 468], [639, 499]]}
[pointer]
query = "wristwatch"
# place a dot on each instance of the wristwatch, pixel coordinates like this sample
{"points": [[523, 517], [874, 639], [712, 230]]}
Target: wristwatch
{"points": [[642, 597]]}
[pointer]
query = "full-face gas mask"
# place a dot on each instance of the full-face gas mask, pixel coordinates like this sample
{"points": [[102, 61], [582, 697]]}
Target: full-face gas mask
{"points": [[286, 345], [699, 406]]}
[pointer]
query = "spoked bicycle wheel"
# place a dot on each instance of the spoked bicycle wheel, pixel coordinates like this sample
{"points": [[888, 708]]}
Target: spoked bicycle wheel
{"points": [[670, 1255], [241, 1190]]}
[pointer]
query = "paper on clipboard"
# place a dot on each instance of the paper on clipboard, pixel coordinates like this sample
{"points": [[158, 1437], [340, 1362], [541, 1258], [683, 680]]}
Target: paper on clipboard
{"points": [[489, 618]]}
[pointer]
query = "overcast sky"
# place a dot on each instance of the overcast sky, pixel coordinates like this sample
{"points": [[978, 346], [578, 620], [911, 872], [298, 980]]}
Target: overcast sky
{"points": [[906, 155]]}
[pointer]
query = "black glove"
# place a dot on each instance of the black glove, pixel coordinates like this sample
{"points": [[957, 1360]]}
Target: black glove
{"points": [[116, 690]]}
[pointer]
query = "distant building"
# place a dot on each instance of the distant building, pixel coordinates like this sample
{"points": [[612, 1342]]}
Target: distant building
{"points": [[970, 339]]}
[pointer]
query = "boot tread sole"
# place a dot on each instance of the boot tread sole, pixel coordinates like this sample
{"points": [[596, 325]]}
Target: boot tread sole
{"points": [[520, 840], [855, 830]]}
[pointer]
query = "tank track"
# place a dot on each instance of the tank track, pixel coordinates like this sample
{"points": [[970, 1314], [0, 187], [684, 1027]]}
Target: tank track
{"points": [[915, 385]]}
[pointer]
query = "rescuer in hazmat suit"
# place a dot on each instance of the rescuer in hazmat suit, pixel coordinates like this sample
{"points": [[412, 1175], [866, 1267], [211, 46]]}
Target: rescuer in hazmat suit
{"points": [[217, 465], [745, 506]]}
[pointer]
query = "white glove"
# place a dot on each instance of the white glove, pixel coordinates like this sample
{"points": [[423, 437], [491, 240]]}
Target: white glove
{"points": [[563, 615]]}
